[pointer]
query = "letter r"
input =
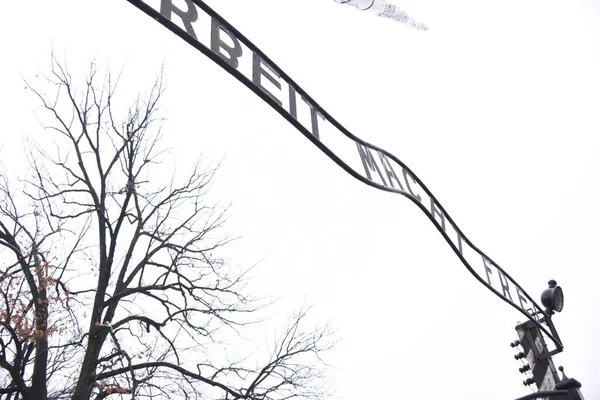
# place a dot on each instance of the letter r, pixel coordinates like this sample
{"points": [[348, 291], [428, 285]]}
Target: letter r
{"points": [[189, 16]]}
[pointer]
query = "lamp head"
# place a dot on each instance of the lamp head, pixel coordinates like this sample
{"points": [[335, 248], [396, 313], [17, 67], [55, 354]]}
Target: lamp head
{"points": [[553, 298]]}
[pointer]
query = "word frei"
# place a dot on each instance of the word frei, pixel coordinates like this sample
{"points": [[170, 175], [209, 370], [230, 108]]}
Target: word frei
{"points": [[204, 29]]}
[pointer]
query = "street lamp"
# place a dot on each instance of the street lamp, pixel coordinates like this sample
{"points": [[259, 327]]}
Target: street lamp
{"points": [[553, 298]]}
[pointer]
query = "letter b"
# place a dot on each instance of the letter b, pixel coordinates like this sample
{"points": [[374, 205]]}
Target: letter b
{"points": [[216, 44]]}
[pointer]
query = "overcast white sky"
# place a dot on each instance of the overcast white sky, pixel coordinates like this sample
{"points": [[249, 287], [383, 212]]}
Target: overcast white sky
{"points": [[495, 109]]}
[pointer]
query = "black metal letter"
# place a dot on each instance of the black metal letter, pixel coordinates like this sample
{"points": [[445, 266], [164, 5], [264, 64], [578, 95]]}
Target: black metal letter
{"points": [[292, 95], [435, 210], [522, 298], [258, 71], [459, 237], [488, 271], [216, 44], [405, 173], [313, 118], [389, 171], [504, 283], [368, 161], [187, 17]]}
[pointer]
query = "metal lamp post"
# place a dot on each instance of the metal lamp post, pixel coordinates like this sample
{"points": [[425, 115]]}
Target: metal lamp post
{"points": [[539, 366]]}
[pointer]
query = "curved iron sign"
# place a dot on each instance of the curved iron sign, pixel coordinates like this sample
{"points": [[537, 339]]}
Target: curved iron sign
{"points": [[212, 35]]}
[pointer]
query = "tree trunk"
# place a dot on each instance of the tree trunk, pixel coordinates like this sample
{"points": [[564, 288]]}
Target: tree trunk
{"points": [[39, 388], [87, 376]]}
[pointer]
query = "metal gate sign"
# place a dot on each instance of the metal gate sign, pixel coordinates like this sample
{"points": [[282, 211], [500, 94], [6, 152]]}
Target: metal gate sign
{"points": [[208, 32]]}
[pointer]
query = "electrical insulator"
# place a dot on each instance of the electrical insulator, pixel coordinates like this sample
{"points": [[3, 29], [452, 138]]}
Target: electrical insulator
{"points": [[515, 344], [528, 381], [519, 355], [524, 368]]}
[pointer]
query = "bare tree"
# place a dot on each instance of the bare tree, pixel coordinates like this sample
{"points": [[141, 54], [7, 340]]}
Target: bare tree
{"points": [[111, 286]]}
